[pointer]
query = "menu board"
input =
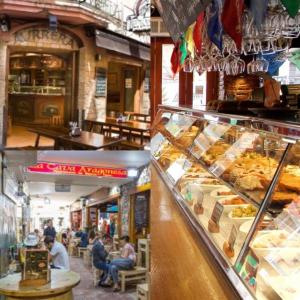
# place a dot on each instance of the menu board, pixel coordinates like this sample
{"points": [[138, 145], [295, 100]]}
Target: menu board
{"points": [[101, 82], [141, 211], [36, 267], [178, 15]]}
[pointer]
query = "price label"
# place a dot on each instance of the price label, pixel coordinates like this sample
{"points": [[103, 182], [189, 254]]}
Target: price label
{"points": [[232, 237], [217, 212], [248, 270], [199, 196], [178, 168]]}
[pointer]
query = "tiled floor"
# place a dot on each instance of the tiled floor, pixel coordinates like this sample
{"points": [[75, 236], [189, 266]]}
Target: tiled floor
{"points": [[86, 291], [21, 137]]}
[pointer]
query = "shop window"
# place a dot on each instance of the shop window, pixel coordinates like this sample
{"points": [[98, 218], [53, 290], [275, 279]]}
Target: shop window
{"points": [[288, 73], [199, 90], [170, 85]]}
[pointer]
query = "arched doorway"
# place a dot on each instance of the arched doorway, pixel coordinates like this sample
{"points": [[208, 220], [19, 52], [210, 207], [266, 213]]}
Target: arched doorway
{"points": [[42, 78]]}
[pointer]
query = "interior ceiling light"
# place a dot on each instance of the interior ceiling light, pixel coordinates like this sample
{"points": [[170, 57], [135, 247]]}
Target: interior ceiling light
{"points": [[32, 54], [17, 55]]}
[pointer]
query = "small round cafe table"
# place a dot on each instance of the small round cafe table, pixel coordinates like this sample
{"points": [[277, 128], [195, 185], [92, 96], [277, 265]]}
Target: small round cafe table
{"points": [[60, 287]]}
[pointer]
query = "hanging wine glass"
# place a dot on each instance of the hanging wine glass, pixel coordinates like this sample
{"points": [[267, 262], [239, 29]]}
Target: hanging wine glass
{"points": [[188, 65]]}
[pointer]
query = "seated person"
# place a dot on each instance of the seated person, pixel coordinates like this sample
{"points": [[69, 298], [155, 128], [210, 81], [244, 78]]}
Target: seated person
{"points": [[58, 253], [78, 233], [99, 259], [125, 262], [83, 240], [92, 237], [64, 240]]}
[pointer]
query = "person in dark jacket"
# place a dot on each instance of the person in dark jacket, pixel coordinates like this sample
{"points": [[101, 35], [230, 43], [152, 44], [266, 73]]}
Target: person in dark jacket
{"points": [[50, 230], [84, 241], [99, 259]]}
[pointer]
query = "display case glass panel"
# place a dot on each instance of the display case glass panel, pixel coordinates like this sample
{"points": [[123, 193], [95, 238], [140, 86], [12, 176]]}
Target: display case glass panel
{"points": [[275, 246], [218, 209], [245, 159], [241, 191]]}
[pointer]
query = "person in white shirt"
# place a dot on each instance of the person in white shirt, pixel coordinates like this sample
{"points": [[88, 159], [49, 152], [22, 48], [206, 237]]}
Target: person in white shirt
{"points": [[125, 262], [58, 253]]}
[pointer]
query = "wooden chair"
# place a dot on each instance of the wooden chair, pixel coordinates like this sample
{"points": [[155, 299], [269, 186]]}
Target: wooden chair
{"points": [[96, 275], [142, 291], [81, 250], [72, 249], [87, 258], [56, 120], [140, 272]]}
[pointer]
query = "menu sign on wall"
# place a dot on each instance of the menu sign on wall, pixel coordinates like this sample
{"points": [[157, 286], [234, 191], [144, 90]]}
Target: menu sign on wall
{"points": [[178, 15], [141, 211], [101, 82]]}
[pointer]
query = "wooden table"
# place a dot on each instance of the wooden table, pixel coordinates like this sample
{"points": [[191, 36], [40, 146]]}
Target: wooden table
{"points": [[60, 287], [130, 126], [87, 140]]}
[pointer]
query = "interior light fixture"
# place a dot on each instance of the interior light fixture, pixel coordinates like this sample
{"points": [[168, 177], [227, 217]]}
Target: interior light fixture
{"points": [[132, 173]]}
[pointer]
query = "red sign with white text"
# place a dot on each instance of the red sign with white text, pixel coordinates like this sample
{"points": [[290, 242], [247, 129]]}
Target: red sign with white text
{"points": [[53, 168]]}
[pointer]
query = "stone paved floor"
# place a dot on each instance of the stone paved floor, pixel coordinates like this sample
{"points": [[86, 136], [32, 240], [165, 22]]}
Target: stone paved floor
{"points": [[86, 291]]}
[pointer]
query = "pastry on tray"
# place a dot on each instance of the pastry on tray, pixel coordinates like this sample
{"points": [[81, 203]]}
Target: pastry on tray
{"points": [[284, 198], [290, 182]]}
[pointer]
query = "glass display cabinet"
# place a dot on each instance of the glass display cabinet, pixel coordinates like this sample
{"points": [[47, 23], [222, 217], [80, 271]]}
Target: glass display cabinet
{"points": [[237, 180]]}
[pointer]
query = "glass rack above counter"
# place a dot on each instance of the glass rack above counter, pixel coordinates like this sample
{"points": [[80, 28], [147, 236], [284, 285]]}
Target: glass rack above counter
{"points": [[235, 179]]}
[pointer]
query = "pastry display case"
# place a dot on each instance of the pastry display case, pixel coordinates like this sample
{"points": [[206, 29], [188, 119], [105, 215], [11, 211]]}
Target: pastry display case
{"points": [[237, 181]]}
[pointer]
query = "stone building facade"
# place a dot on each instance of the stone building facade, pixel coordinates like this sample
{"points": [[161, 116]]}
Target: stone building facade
{"points": [[78, 41]]}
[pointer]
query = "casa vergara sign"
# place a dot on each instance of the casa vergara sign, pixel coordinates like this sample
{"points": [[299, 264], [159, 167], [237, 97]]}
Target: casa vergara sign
{"points": [[43, 37]]}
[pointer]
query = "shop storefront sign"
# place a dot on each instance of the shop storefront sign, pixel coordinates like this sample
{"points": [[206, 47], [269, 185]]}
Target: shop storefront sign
{"points": [[44, 35], [140, 21], [53, 168]]}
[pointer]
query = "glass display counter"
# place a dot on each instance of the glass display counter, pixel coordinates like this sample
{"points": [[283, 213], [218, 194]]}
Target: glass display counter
{"points": [[237, 180]]}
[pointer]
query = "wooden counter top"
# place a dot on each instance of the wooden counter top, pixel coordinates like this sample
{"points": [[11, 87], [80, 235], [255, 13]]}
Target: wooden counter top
{"points": [[181, 267], [61, 283]]}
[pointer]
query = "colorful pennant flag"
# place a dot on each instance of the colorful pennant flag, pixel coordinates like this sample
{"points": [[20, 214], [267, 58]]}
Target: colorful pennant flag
{"points": [[232, 20], [292, 6], [197, 32], [190, 41], [175, 58], [214, 25], [183, 49]]}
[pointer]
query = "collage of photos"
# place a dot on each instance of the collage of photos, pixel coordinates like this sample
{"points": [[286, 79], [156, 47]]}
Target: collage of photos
{"points": [[149, 150]]}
